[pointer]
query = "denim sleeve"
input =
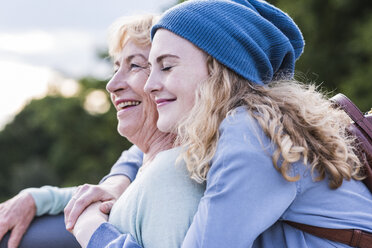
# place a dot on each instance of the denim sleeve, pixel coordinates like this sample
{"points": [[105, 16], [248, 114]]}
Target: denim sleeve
{"points": [[108, 236], [245, 194], [128, 164]]}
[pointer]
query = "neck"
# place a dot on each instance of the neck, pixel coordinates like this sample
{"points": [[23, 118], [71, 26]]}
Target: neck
{"points": [[155, 143], [162, 142]]}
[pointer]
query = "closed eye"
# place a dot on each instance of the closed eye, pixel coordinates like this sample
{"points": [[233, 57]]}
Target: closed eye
{"points": [[167, 68], [133, 66]]}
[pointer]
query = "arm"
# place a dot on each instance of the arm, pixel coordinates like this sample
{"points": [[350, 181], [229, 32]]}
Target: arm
{"points": [[93, 230], [108, 236], [245, 194], [108, 191], [49, 199]]}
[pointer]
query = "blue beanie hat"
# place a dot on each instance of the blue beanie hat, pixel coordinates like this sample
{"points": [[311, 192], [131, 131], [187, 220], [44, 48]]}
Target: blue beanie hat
{"points": [[251, 37]]}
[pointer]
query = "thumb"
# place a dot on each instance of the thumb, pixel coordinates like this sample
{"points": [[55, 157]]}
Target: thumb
{"points": [[106, 206]]}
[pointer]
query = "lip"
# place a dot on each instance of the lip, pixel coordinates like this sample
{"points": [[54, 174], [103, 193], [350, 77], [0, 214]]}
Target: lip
{"points": [[117, 102], [162, 101]]}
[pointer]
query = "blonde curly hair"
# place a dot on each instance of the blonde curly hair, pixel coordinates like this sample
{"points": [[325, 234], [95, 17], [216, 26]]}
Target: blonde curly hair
{"points": [[298, 119], [134, 28]]}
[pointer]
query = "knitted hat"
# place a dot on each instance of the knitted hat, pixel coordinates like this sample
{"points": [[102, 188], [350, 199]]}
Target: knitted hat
{"points": [[251, 37]]}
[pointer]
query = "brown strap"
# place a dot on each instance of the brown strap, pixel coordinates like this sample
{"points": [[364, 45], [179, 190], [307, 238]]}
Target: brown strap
{"points": [[351, 237], [355, 114]]}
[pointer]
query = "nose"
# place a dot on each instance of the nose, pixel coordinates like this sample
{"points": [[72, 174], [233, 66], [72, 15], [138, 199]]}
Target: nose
{"points": [[116, 83], [153, 83]]}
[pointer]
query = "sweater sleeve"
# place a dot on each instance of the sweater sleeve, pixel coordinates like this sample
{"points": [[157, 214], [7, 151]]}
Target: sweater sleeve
{"points": [[128, 164], [245, 194], [108, 236], [49, 199]]}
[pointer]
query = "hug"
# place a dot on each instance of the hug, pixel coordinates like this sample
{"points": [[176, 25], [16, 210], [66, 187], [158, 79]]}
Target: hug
{"points": [[230, 149]]}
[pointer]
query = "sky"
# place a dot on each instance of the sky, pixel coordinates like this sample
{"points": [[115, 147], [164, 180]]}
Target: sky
{"points": [[50, 42]]}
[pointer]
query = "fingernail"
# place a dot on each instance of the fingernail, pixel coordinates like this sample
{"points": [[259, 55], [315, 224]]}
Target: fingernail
{"points": [[68, 226]]}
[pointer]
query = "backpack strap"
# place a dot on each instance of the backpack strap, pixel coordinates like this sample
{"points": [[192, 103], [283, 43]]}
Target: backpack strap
{"points": [[351, 237], [354, 113], [362, 130]]}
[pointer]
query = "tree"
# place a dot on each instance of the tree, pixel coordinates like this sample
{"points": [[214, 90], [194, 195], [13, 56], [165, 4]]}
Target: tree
{"points": [[55, 141], [338, 51]]}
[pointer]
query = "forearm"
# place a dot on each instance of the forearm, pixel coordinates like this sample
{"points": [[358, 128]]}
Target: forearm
{"points": [[108, 236], [49, 199], [118, 183]]}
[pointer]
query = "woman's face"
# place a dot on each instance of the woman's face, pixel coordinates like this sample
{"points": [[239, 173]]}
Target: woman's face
{"points": [[136, 112], [177, 68]]}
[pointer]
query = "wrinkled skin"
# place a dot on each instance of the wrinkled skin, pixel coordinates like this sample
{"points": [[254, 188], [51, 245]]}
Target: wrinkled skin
{"points": [[16, 215], [107, 193], [92, 218]]}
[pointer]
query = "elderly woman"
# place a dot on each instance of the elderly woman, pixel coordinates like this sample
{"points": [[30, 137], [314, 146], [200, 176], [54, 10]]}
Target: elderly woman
{"points": [[272, 150], [157, 209]]}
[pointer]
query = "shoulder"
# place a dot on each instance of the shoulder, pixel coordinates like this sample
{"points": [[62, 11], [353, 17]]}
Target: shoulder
{"points": [[239, 127], [242, 148]]}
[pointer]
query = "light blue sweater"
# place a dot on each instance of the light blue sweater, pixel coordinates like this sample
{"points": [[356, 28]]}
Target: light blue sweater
{"points": [[158, 207], [52, 200]]}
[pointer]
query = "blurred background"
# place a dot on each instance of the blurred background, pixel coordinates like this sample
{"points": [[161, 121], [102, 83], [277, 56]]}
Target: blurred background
{"points": [[57, 125]]}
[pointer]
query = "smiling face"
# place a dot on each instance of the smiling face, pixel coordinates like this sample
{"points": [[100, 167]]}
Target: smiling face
{"points": [[136, 112], [177, 68]]}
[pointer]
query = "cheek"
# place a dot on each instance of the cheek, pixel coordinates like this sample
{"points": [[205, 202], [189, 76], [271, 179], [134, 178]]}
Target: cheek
{"points": [[149, 106], [112, 97], [188, 92]]}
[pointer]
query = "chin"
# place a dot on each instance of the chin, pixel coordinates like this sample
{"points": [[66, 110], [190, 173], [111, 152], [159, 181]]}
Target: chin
{"points": [[121, 132], [165, 127], [125, 130]]}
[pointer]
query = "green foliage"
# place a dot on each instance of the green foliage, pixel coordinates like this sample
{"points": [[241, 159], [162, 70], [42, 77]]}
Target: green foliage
{"points": [[338, 51], [55, 141]]}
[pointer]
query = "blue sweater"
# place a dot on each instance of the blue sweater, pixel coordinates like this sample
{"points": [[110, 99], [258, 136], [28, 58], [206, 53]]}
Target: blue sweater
{"points": [[246, 198]]}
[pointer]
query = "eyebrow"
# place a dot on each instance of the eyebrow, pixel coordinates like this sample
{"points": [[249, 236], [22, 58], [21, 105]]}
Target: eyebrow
{"points": [[161, 57], [129, 58]]}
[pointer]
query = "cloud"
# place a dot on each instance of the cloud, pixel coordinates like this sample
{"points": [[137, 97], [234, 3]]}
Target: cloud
{"points": [[26, 43], [72, 52]]}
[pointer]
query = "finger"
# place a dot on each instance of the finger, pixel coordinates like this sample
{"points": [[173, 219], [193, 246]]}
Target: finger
{"points": [[77, 194], [16, 236], [68, 208], [106, 206], [77, 208], [3, 231]]}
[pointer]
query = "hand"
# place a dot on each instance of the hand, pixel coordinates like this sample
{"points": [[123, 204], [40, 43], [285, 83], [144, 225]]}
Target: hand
{"points": [[88, 222], [107, 193], [16, 215]]}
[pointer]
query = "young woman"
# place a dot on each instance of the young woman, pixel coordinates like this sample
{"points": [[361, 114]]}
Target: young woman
{"points": [[270, 149]]}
